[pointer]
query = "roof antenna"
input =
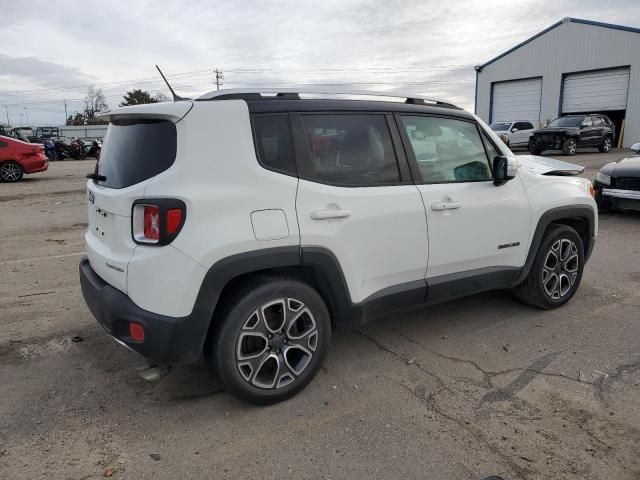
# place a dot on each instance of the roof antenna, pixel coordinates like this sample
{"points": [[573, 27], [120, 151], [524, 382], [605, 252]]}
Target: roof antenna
{"points": [[176, 98]]}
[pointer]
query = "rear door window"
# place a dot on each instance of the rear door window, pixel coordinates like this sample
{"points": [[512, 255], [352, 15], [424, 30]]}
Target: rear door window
{"points": [[349, 149], [136, 150]]}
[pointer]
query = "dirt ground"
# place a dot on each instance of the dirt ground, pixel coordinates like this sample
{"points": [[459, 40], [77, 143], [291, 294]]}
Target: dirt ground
{"points": [[481, 386]]}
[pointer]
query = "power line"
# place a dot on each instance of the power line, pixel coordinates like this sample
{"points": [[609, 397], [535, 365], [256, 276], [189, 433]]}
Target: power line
{"points": [[182, 75]]}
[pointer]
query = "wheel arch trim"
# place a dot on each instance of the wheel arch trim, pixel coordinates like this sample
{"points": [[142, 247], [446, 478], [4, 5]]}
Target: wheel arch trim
{"points": [[568, 213]]}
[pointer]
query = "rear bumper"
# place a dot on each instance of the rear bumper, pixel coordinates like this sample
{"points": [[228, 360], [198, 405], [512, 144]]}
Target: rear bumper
{"points": [[167, 340], [37, 165]]}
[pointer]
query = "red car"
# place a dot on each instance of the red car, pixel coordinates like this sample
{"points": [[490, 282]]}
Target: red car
{"points": [[18, 158]]}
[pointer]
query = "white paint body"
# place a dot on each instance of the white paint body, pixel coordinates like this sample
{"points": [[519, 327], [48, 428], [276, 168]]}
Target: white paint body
{"points": [[385, 236]]}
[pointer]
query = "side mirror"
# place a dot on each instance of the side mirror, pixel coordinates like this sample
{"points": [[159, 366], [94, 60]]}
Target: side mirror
{"points": [[635, 148], [502, 171], [514, 130]]}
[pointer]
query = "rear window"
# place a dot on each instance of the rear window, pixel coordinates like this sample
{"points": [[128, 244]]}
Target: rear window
{"points": [[135, 150]]}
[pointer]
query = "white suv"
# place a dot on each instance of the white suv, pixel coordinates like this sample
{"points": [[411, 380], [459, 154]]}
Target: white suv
{"points": [[517, 133], [246, 226]]}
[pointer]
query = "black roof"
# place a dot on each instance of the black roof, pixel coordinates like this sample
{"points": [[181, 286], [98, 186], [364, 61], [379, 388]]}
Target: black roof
{"points": [[333, 105]]}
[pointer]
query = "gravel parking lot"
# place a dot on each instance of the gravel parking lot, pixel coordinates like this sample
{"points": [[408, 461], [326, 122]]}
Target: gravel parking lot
{"points": [[481, 386]]}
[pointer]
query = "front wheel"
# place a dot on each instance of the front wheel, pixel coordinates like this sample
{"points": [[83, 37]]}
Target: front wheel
{"points": [[11, 172], [272, 337], [570, 146], [556, 271]]}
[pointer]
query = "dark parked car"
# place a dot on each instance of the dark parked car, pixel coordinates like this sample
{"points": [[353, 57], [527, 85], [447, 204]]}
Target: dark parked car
{"points": [[617, 184], [572, 132]]}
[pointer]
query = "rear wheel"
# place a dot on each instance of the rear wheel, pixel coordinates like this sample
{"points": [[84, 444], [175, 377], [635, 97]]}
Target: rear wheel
{"points": [[570, 146], [11, 172], [556, 271], [272, 337], [606, 145]]}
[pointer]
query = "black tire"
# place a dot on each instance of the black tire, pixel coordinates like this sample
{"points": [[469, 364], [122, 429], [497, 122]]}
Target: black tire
{"points": [[535, 288], [606, 145], [569, 146], [533, 150], [239, 331], [11, 171]]}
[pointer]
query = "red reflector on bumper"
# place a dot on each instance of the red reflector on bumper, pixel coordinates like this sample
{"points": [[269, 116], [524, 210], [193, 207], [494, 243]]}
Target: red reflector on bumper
{"points": [[174, 217], [136, 332]]}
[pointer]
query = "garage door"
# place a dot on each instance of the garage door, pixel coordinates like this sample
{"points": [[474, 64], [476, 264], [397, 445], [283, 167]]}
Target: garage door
{"points": [[596, 91], [516, 100]]}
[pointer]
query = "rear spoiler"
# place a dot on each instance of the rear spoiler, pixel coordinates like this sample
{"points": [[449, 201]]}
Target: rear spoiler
{"points": [[174, 111]]}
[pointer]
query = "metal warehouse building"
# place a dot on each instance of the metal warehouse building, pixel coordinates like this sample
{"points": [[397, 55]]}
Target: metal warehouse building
{"points": [[574, 66]]}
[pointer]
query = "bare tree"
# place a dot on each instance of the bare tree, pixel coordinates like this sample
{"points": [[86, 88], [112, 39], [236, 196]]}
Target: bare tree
{"points": [[94, 102]]}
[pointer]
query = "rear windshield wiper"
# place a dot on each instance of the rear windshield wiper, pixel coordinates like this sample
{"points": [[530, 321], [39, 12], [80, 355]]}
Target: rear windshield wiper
{"points": [[96, 177]]}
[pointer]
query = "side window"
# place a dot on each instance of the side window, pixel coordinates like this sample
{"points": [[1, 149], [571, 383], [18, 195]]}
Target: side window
{"points": [[587, 122], [526, 126], [273, 142], [520, 125], [353, 150], [597, 121], [447, 150]]}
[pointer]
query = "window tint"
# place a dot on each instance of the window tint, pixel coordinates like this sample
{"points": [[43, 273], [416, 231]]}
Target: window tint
{"points": [[136, 150], [447, 150], [597, 121], [524, 126], [273, 142], [350, 149]]}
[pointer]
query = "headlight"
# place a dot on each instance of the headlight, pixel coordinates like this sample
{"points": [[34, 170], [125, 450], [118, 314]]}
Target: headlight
{"points": [[602, 178]]}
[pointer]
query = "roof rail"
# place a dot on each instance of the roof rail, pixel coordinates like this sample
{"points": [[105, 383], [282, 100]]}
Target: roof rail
{"points": [[294, 93]]}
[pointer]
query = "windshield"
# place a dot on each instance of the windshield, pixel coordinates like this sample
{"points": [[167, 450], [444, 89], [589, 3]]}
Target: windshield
{"points": [[566, 122], [136, 150], [500, 126]]}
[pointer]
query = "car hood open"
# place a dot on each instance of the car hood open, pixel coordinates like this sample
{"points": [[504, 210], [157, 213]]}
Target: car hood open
{"points": [[549, 166]]}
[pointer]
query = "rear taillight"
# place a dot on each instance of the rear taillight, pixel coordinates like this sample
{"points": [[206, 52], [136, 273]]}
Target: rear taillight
{"points": [[157, 221], [151, 219]]}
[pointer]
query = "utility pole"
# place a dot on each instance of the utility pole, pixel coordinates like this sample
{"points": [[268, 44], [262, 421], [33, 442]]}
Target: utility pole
{"points": [[219, 78], [7, 109], [21, 118], [66, 116], [27, 114]]}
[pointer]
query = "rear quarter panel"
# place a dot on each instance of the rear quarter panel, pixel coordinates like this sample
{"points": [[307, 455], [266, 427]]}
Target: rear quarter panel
{"points": [[218, 176]]}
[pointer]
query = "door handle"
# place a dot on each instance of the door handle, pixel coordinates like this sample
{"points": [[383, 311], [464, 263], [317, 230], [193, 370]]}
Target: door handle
{"points": [[445, 206], [331, 213]]}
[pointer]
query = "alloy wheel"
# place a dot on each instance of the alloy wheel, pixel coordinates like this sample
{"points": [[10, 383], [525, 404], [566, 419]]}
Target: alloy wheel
{"points": [[572, 147], [560, 268], [276, 343], [10, 172], [607, 145]]}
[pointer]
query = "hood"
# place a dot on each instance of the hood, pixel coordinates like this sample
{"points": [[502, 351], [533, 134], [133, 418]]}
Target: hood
{"points": [[557, 130], [627, 167], [549, 166]]}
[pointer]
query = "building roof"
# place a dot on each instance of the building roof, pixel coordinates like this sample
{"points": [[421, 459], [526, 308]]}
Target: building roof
{"points": [[557, 24]]}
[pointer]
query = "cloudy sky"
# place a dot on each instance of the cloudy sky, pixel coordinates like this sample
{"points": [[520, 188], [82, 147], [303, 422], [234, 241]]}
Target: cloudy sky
{"points": [[52, 52]]}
